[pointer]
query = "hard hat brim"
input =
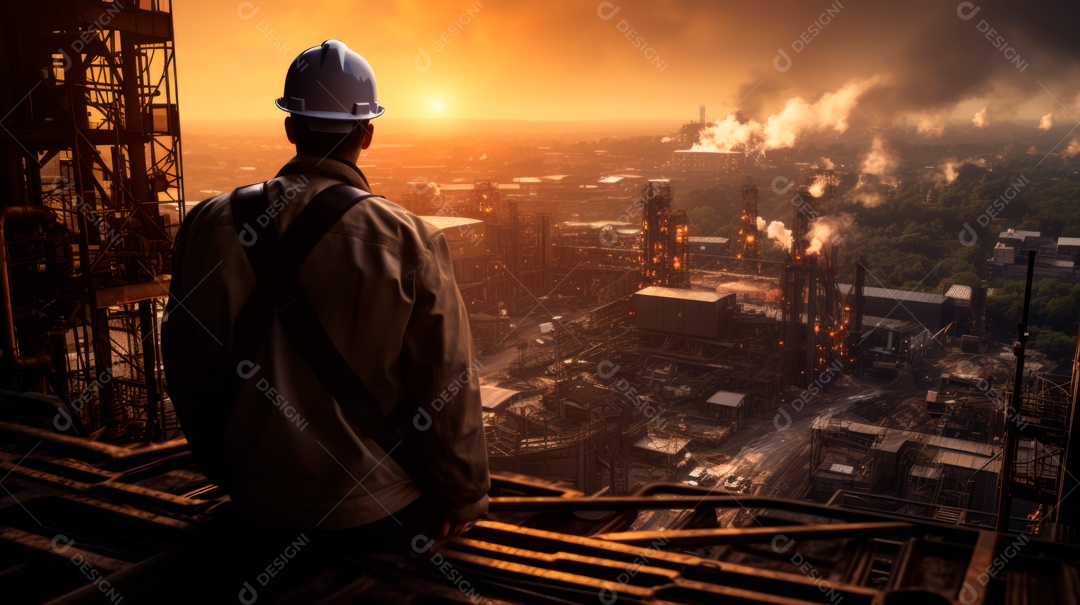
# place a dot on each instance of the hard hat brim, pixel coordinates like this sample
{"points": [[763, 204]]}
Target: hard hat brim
{"points": [[344, 121]]}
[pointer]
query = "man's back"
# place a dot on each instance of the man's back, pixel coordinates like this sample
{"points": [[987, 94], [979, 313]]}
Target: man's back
{"points": [[381, 284]]}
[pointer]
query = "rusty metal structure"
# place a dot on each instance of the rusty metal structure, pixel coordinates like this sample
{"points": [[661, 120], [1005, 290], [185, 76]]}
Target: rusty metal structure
{"points": [[152, 530], [824, 185], [665, 235], [1040, 419], [1069, 516], [92, 193], [813, 316], [748, 231]]}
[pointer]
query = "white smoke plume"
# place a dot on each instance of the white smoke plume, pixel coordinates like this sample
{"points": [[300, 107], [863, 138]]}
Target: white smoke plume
{"points": [[1047, 121], [760, 224], [820, 182], [782, 130], [868, 192], [876, 178], [1072, 150], [780, 233], [981, 119], [880, 161], [829, 230], [823, 230], [950, 168], [931, 128]]}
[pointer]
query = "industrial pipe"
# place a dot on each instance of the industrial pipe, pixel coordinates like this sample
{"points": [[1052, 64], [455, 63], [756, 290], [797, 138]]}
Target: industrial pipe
{"points": [[10, 348]]}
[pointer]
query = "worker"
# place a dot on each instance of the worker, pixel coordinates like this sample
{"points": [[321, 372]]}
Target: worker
{"points": [[316, 348]]}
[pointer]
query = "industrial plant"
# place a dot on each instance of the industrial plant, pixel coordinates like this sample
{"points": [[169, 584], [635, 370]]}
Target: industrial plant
{"points": [[670, 416]]}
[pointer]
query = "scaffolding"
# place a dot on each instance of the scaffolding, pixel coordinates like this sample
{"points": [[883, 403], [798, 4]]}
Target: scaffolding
{"points": [[93, 192], [1043, 414], [823, 184]]}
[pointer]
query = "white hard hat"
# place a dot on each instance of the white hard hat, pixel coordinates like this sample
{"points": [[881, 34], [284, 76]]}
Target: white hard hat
{"points": [[332, 86]]}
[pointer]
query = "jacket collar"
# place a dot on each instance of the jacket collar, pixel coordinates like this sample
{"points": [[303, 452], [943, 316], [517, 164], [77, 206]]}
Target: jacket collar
{"points": [[327, 167]]}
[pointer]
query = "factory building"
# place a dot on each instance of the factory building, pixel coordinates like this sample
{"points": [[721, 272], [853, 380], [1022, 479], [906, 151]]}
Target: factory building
{"points": [[679, 311], [887, 342], [969, 305], [1053, 259], [467, 239], [932, 311], [729, 406], [709, 245], [918, 467], [1068, 248], [713, 162]]}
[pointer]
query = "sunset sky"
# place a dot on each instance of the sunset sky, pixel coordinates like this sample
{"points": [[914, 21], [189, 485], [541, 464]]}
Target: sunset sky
{"points": [[573, 60]]}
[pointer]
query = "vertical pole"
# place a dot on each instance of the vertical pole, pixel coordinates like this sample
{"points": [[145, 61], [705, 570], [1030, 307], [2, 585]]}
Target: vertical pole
{"points": [[149, 346], [1012, 431], [811, 319], [860, 301], [545, 253]]}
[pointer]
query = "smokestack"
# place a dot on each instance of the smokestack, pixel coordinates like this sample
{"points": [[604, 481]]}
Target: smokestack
{"points": [[978, 309], [749, 231], [811, 319], [545, 252], [800, 228], [701, 114], [860, 300], [513, 250]]}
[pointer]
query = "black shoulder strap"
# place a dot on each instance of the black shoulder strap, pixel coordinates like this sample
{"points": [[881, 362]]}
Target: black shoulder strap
{"points": [[248, 331], [276, 262]]}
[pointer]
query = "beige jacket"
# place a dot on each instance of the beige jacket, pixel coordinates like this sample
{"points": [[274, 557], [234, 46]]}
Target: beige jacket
{"points": [[382, 284]]}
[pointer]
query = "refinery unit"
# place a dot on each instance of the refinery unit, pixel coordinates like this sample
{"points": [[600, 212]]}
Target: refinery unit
{"points": [[627, 366]]}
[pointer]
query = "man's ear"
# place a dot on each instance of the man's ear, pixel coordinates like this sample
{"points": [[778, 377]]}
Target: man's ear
{"points": [[369, 131], [289, 130]]}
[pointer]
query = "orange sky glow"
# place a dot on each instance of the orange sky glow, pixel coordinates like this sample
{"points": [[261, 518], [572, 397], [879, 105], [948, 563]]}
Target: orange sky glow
{"points": [[573, 60]]}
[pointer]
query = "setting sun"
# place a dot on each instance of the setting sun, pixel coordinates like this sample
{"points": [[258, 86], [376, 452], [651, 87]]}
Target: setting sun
{"points": [[438, 106]]}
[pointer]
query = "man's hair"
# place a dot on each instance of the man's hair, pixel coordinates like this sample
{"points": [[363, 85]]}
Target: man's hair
{"points": [[311, 142]]}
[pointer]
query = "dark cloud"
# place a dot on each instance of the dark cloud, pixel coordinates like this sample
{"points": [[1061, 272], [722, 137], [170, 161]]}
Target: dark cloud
{"points": [[934, 54]]}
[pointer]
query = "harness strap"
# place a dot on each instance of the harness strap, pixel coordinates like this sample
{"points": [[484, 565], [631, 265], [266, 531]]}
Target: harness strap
{"points": [[277, 293]]}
